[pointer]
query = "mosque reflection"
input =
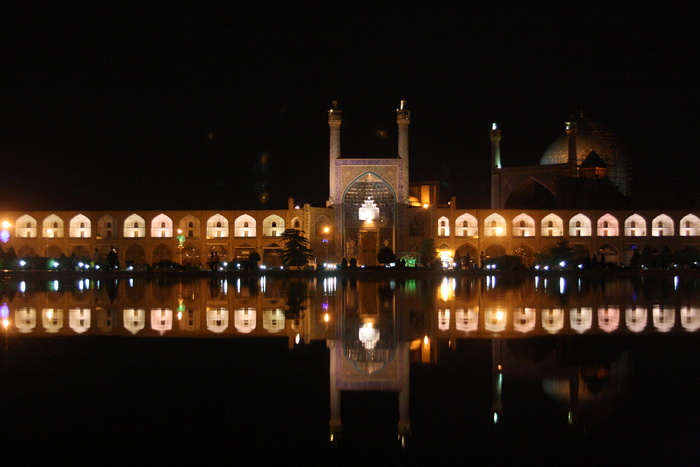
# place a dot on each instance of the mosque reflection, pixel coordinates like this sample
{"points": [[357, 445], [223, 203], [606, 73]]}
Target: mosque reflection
{"points": [[564, 332]]}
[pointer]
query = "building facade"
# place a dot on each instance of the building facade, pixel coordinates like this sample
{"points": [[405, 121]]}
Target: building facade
{"points": [[372, 204]]}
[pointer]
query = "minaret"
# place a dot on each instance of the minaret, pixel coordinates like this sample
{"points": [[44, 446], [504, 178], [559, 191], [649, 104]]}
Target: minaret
{"points": [[495, 135], [571, 132], [403, 119], [334, 119]]}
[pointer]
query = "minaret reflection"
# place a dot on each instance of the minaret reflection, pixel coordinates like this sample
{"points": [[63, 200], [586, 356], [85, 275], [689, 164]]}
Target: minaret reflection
{"points": [[369, 352]]}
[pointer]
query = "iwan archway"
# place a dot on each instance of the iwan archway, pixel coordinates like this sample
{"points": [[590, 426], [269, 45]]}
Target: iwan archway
{"points": [[369, 218]]}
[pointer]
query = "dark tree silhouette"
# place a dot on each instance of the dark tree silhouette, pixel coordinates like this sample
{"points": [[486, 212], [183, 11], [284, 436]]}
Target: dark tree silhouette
{"points": [[296, 252]]}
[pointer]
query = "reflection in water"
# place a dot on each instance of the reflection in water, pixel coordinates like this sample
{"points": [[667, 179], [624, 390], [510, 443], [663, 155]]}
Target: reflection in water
{"points": [[265, 306], [570, 335]]}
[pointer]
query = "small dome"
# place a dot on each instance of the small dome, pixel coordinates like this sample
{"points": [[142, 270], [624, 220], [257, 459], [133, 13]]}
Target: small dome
{"points": [[592, 136]]}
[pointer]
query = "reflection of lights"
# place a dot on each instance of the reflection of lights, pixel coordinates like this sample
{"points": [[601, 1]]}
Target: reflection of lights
{"points": [[22, 286], [369, 336], [5, 315], [426, 341], [326, 317], [562, 285], [297, 338], [447, 289]]}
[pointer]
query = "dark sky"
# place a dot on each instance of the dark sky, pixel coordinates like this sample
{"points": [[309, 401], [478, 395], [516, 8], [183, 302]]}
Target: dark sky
{"points": [[115, 107]]}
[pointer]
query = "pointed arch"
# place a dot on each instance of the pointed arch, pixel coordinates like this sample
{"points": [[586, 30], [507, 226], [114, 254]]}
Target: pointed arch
{"points": [[107, 226], [190, 226], [80, 227], [662, 226], [466, 225], [635, 226], [443, 226], [579, 226], [552, 226], [53, 227], [161, 226], [608, 226], [245, 226], [162, 253], [217, 226], [134, 226], [323, 227], [494, 226], [273, 226], [134, 254], [526, 254], [26, 227], [690, 226], [523, 226], [530, 194]]}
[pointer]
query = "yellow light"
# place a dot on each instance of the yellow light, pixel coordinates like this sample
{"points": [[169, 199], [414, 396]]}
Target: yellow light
{"points": [[6, 225], [426, 341], [426, 205], [6, 323], [326, 317], [326, 230], [499, 230]]}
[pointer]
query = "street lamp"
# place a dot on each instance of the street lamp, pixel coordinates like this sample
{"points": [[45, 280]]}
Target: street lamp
{"points": [[180, 243], [326, 231]]}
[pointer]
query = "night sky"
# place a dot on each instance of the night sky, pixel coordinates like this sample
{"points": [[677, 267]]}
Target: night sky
{"points": [[116, 107]]}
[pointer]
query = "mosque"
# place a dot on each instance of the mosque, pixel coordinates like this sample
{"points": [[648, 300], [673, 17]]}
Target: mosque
{"points": [[580, 192]]}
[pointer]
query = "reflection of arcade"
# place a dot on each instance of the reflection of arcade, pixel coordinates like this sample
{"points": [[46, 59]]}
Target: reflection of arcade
{"points": [[370, 354], [586, 377]]}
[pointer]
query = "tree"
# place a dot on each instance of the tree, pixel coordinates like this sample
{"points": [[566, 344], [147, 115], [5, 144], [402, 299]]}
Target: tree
{"points": [[386, 255], [296, 252], [427, 251], [561, 253]]}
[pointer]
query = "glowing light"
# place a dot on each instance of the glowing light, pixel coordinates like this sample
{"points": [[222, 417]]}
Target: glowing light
{"points": [[297, 338], [494, 126], [4, 236], [326, 317], [6, 225]]}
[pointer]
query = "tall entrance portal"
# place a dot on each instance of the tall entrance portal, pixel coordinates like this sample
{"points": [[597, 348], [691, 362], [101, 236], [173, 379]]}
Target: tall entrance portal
{"points": [[369, 207]]}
